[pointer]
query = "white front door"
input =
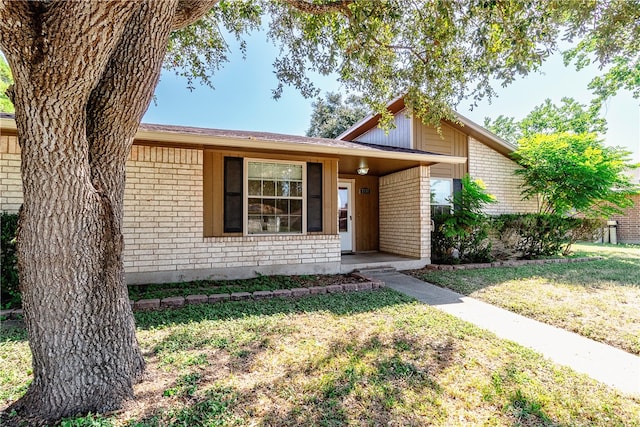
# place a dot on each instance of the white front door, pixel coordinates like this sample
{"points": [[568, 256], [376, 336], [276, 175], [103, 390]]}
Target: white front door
{"points": [[345, 215]]}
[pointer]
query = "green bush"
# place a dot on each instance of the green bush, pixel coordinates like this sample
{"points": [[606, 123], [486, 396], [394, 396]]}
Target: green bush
{"points": [[10, 295], [462, 235], [540, 235]]}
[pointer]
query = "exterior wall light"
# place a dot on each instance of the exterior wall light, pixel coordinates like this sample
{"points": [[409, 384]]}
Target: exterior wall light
{"points": [[363, 170]]}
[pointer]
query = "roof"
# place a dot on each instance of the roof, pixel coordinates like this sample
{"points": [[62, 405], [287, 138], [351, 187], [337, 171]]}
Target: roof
{"points": [[380, 159], [463, 124]]}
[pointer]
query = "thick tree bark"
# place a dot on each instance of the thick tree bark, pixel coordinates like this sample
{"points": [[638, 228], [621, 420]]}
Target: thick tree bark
{"points": [[84, 75]]}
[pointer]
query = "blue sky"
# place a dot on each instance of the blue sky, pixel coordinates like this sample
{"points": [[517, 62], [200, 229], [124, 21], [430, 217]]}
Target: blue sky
{"points": [[242, 98]]}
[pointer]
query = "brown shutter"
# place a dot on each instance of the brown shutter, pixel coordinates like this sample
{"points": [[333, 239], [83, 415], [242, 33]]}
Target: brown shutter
{"points": [[314, 197], [233, 185]]}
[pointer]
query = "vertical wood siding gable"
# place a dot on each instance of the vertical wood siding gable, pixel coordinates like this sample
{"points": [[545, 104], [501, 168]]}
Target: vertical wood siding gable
{"points": [[400, 136]]}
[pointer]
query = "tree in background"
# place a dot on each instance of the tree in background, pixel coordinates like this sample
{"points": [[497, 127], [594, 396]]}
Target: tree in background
{"points": [[85, 73], [5, 81], [573, 173], [331, 116], [548, 118]]}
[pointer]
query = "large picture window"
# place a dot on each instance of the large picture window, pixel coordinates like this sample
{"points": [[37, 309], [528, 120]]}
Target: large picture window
{"points": [[275, 195]]}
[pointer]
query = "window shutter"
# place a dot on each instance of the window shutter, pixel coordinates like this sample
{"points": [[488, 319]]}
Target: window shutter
{"points": [[233, 184], [457, 188], [314, 197]]}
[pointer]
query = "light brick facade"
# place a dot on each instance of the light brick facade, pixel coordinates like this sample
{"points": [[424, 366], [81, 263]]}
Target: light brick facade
{"points": [[10, 181], [405, 219], [497, 173], [163, 224], [628, 230]]}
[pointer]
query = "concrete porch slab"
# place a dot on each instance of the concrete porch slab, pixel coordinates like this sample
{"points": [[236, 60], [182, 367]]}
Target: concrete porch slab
{"points": [[367, 260]]}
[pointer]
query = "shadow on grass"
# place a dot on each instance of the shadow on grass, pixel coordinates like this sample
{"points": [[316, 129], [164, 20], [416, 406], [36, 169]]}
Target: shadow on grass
{"points": [[356, 377], [338, 304]]}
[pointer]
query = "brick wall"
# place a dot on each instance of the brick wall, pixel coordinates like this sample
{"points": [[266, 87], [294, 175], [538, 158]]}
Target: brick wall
{"points": [[10, 181], [628, 230], [163, 224], [405, 222], [496, 171]]}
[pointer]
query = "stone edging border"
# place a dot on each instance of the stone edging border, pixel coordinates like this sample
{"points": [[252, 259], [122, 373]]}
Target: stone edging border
{"points": [[510, 263], [177, 302], [367, 284]]}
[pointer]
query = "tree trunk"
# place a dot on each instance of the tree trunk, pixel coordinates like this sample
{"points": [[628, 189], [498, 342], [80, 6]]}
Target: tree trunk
{"points": [[85, 73]]}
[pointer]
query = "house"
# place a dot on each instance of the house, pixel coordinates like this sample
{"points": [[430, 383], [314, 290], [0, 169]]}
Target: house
{"points": [[208, 203], [488, 156], [628, 224]]}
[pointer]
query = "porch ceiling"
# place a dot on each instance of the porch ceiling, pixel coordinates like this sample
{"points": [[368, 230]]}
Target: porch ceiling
{"points": [[377, 166]]}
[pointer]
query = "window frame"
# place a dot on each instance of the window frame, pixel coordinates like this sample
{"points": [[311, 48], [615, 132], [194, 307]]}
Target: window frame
{"points": [[451, 190], [247, 196]]}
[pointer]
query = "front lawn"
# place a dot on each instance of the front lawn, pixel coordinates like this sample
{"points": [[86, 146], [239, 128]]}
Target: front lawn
{"points": [[597, 299], [368, 358]]}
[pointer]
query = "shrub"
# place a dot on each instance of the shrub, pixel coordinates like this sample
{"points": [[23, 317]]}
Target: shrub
{"points": [[10, 295], [462, 235], [538, 235]]}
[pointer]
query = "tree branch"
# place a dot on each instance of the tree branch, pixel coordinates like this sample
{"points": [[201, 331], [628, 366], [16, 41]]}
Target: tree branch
{"points": [[189, 11], [306, 6]]}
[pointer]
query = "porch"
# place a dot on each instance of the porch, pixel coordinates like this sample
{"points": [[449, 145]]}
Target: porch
{"points": [[350, 262]]}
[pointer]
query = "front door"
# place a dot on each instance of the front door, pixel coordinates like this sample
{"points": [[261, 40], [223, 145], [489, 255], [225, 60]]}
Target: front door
{"points": [[345, 215]]}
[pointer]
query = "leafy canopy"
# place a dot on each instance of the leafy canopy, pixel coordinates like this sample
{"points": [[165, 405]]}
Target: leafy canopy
{"points": [[435, 53], [613, 38], [331, 116], [574, 173], [548, 118]]}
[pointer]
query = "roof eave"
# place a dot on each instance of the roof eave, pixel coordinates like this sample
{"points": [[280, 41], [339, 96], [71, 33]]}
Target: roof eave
{"points": [[289, 147]]}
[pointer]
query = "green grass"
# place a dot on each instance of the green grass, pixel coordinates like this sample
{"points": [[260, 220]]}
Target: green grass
{"points": [[369, 358], [597, 299]]}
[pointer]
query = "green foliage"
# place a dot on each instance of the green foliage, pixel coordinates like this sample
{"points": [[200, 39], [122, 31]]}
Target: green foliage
{"points": [[332, 116], [541, 235], [505, 127], [612, 39], [6, 106], [10, 296], [574, 173], [197, 51], [434, 53], [548, 118], [465, 230]]}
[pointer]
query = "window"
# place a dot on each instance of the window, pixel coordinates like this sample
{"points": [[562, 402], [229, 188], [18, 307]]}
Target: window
{"points": [[275, 197], [441, 195], [442, 191]]}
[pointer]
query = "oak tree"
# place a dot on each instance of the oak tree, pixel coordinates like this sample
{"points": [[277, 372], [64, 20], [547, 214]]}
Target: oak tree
{"points": [[331, 116], [84, 74]]}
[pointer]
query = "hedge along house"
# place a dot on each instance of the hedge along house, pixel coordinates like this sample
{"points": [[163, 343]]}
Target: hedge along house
{"points": [[206, 203], [488, 158]]}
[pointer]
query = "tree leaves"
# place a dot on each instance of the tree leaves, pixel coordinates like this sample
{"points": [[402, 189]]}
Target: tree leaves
{"points": [[332, 116], [548, 118], [574, 173]]}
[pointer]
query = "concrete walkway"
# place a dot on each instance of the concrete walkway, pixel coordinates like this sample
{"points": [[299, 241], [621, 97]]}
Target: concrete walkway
{"points": [[602, 362]]}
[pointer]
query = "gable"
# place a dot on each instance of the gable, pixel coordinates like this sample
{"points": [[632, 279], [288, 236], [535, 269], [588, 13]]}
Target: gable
{"points": [[399, 136]]}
